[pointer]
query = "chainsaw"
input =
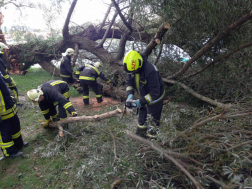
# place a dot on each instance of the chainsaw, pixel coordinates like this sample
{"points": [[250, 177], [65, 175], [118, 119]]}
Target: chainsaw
{"points": [[130, 107]]}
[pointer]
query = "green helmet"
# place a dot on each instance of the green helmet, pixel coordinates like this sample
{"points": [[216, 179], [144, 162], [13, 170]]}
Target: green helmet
{"points": [[132, 61]]}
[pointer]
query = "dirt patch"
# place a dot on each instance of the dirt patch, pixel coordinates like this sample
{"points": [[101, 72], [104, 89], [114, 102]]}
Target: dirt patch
{"points": [[93, 105]]}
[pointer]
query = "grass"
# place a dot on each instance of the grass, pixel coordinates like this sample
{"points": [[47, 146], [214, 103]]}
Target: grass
{"points": [[85, 156]]}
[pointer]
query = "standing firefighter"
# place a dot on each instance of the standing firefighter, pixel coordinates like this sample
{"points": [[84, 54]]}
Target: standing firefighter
{"points": [[7, 78], [10, 135], [88, 78], [51, 94], [146, 80], [66, 69]]}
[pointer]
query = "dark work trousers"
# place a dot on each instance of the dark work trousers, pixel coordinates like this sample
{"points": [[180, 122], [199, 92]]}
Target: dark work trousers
{"points": [[70, 81], [97, 88], [10, 136], [53, 111], [154, 110]]}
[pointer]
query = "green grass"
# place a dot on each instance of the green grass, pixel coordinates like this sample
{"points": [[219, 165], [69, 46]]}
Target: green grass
{"points": [[85, 156]]}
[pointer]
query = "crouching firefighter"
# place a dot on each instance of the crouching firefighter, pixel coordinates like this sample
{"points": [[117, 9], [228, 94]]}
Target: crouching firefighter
{"points": [[11, 141], [88, 77], [146, 80], [51, 94], [66, 69]]}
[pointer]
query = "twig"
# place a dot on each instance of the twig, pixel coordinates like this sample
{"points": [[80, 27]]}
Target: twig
{"points": [[160, 150]]}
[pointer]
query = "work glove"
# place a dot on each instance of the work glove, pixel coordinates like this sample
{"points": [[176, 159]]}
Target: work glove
{"points": [[47, 122], [74, 114], [137, 102], [129, 99]]}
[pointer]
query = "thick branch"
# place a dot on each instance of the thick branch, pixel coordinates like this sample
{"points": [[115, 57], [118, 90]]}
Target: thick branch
{"points": [[65, 31], [230, 28], [122, 17], [84, 118], [220, 58], [208, 100], [157, 38], [107, 31], [105, 18]]}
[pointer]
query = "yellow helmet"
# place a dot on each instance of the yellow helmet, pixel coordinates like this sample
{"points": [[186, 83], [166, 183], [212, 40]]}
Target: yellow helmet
{"points": [[68, 52], [132, 61], [34, 94]]}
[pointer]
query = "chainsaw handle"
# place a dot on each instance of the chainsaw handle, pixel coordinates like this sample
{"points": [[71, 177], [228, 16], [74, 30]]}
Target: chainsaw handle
{"points": [[130, 104]]}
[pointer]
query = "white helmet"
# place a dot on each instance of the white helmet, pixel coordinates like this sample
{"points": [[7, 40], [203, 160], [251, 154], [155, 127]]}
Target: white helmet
{"points": [[68, 52], [34, 94], [3, 46], [97, 64]]}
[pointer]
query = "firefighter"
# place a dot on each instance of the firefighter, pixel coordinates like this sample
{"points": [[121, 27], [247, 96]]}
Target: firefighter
{"points": [[7, 78], [146, 80], [88, 78], [51, 94], [11, 141], [66, 69]]}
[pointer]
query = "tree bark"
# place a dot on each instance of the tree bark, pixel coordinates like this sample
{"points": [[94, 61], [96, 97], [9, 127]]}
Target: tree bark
{"points": [[84, 118]]}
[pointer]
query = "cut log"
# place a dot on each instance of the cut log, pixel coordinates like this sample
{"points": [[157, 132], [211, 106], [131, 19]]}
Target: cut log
{"points": [[83, 118]]}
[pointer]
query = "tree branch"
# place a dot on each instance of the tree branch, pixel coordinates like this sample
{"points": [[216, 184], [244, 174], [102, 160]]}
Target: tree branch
{"points": [[206, 99], [65, 31], [122, 17], [157, 38], [162, 151], [230, 28], [220, 58]]}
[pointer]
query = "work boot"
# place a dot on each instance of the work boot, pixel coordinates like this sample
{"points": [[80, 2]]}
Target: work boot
{"points": [[18, 154], [26, 144], [80, 90], [56, 118], [99, 99], [152, 133], [141, 132]]}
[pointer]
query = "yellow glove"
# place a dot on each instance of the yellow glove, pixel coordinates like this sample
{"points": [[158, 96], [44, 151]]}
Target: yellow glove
{"points": [[47, 122], [74, 114]]}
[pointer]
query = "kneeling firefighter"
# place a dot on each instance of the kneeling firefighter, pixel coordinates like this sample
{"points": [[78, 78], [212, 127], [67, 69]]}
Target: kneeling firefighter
{"points": [[146, 80], [51, 94], [88, 77]]}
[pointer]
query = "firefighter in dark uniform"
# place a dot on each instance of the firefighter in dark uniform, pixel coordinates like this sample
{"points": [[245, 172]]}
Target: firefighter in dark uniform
{"points": [[146, 80], [51, 94], [7, 78], [88, 78], [66, 69], [11, 141]]}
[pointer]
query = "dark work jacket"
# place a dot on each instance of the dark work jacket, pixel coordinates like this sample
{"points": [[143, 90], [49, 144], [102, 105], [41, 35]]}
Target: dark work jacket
{"points": [[78, 71], [7, 78], [91, 73], [55, 92], [7, 105], [148, 84], [66, 69]]}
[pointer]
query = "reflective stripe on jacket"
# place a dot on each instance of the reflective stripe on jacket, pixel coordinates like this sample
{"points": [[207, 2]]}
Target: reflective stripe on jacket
{"points": [[148, 84]]}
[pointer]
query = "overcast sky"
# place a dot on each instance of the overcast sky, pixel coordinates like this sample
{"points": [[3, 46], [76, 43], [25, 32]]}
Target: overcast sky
{"points": [[85, 10]]}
